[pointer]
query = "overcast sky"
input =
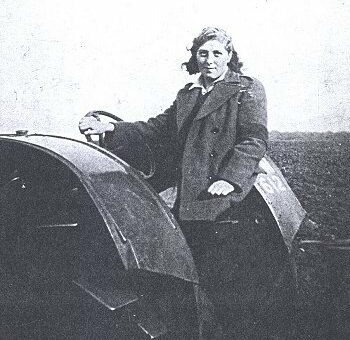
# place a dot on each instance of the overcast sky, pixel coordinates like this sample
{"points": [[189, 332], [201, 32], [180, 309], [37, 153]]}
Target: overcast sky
{"points": [[60, 59]]}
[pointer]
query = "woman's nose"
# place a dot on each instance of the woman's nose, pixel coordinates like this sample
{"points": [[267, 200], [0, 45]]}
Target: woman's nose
{"points": [[210, 59]]}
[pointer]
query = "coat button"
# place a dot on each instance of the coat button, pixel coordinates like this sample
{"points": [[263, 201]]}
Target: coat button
{"points": [[210, 178], [215, 130], [212, 154]]}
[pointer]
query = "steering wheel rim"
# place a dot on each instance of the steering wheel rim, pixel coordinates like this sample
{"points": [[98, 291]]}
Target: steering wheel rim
{"points": [[97, 114]]}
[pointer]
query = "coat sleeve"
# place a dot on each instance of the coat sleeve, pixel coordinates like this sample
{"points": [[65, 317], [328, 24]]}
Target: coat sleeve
{"points": [[157, 130], [160, 129], [128, 141], [252, 137]]}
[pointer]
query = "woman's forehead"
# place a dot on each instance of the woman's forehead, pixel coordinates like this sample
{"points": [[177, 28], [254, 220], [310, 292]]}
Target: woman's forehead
{"points": [[213, 44]]}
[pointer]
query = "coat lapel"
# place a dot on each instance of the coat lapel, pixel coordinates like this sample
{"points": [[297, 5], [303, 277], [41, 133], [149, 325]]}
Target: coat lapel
{"points": [[185, 104], [221, 92]]}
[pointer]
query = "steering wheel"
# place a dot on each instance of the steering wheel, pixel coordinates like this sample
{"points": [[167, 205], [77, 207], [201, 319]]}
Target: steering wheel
{"points": [[101, 143]]}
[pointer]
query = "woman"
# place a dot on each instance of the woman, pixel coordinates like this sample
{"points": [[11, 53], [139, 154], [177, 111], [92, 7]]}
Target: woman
{"points": [[215, 135]]}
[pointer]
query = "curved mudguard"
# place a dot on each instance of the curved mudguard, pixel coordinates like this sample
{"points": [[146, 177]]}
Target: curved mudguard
{"points": [[282, 202], [126, 202], [144, 232]]}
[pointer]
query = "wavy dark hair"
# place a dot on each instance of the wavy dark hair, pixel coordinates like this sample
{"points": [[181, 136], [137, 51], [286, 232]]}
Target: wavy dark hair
{"points": [[212, 33]]}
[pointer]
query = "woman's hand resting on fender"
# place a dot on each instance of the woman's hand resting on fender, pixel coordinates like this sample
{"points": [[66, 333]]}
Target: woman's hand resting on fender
{"points": [[92, 126], [221, 187]]}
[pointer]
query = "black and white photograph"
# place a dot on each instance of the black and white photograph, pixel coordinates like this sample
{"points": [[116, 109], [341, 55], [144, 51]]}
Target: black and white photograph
{"points": [[175, 170]]}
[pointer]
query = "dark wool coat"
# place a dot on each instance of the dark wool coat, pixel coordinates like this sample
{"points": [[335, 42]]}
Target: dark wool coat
{"points": [[226, 140]]}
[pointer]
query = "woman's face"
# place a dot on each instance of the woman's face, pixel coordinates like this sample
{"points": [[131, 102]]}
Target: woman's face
{"points": [[212, 58]]}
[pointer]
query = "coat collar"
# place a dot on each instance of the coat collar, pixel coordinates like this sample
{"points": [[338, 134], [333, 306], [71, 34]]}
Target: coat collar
{"points": [[221, 92], [200, 83]]}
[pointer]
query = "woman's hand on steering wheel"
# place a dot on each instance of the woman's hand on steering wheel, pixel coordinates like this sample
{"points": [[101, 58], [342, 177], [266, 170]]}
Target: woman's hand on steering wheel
{"points": [[92, 126]]}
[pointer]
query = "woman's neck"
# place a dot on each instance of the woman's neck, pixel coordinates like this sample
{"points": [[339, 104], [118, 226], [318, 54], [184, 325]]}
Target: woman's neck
{"points": [[207, 82]]}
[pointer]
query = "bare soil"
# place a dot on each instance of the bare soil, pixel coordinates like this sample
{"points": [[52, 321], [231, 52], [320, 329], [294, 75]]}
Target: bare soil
{"points": [[318, 171]]}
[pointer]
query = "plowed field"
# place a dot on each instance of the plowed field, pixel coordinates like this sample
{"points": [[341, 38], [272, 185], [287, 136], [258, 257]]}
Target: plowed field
{"points": [[318, 171]]}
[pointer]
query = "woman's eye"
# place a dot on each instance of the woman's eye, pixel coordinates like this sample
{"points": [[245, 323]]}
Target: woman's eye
{"points": [[217, 54]]}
